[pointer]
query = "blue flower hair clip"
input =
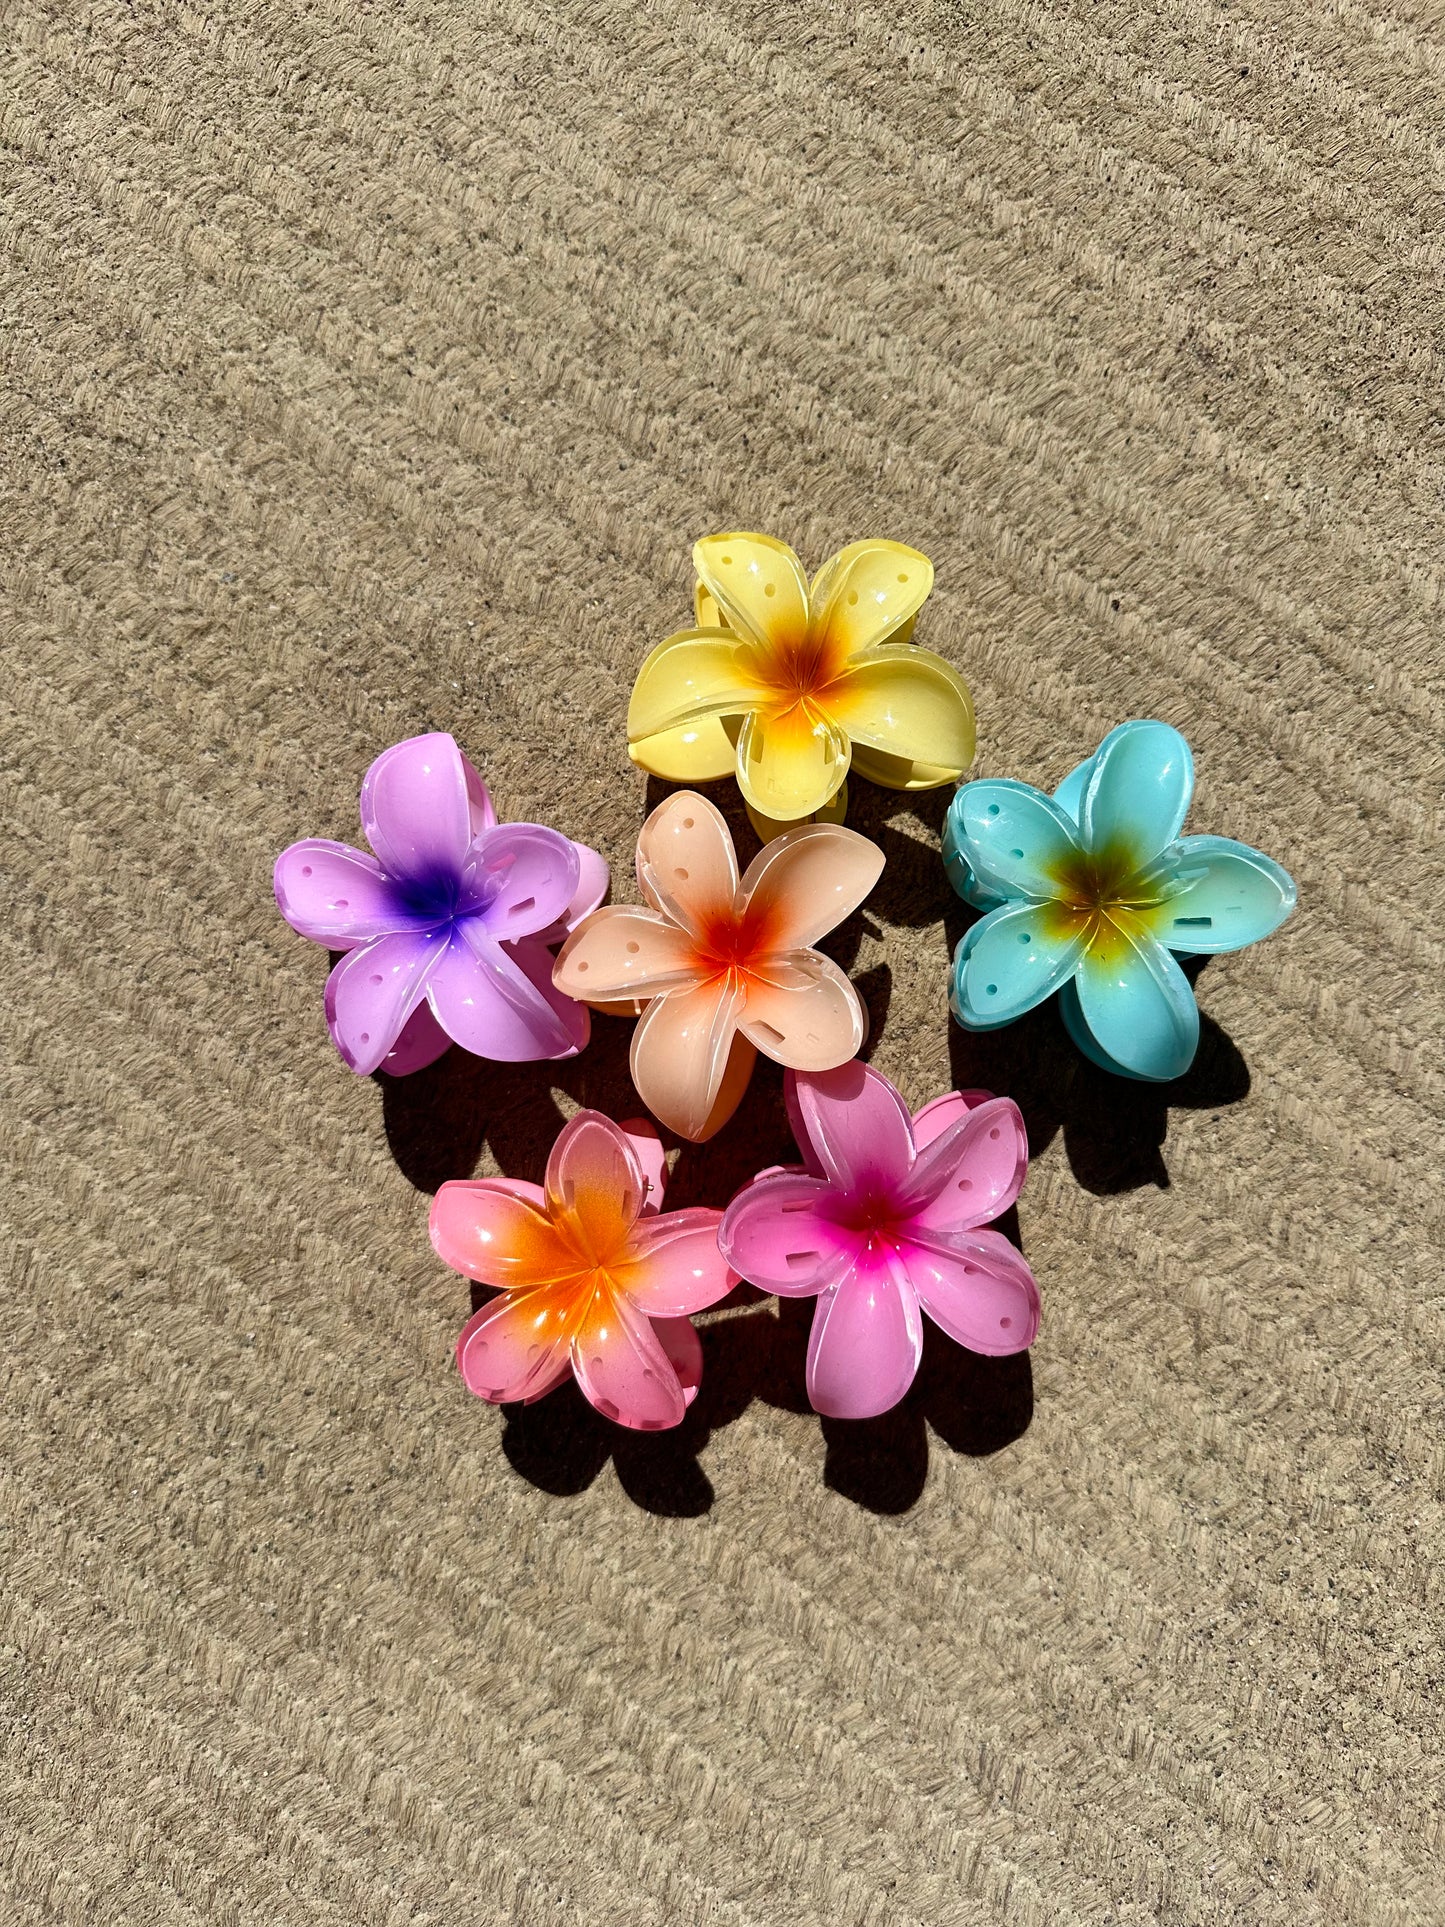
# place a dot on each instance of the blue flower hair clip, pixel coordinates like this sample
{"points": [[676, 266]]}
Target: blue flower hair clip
{"points": [[1093, 893]]}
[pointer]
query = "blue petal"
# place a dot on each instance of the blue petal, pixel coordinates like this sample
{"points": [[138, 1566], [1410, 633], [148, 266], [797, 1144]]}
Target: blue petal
{"points": [[1242, 896], [1011, 961], [1138, 1004], [1137, 793], [1013, 838], [1070, 794]]}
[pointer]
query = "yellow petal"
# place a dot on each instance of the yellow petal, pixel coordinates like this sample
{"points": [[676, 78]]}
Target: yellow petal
{"points": [[758, 584], [791, 762], [695, 752], [865, 594], [705, 607], [768, 827], [692, 675], [898, 772], [909, 704]]}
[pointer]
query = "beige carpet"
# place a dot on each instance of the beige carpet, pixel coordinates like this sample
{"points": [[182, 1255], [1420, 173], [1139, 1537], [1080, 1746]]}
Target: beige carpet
{"points": [[370, 368]]}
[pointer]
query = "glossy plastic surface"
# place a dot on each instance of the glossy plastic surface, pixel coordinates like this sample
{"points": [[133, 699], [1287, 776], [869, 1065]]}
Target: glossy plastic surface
{"points": [[886, 1221], [594, 1279], [1094, 893], [723, 967], [786, 683], [447, 928]]}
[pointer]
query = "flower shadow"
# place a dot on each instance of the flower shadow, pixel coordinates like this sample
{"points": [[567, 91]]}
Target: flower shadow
{"points": [[1114, 1128]]}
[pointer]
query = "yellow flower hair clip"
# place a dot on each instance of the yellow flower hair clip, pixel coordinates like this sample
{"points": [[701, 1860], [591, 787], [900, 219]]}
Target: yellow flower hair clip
{"points": [[786, 683]]}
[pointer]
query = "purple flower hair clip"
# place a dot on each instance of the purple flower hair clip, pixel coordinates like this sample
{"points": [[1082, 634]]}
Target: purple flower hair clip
{"points": [[448, 927], [887, 1219]]}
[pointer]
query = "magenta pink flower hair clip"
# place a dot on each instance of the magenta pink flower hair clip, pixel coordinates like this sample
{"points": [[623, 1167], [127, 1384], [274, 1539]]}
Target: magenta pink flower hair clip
{"points": [[448, 926], [596, 1282], [886, 1219]]}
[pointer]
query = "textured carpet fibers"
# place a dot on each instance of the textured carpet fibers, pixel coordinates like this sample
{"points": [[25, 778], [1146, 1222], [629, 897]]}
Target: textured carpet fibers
{"points": [[370, 369]]}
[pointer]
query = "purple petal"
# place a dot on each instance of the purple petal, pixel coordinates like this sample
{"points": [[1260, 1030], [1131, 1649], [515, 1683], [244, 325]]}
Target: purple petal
{"points": [[485, 1003], [373, 990], [422, 1042], [978, 1289], [481, 815], [534, 961], [416, 809], [336, 895], [866, 1341], [522, 877], [593, 882]]}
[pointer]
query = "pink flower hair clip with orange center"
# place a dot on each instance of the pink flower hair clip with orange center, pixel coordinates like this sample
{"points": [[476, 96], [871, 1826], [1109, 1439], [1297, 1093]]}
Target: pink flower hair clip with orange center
{"points": [[721, 969]]}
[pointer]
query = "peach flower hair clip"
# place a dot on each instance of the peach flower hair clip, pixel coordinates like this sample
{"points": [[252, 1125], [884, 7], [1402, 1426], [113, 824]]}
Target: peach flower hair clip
{"points": [[720, 968]]}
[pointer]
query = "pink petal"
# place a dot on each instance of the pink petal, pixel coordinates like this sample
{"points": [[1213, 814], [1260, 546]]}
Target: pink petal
{"points": [[686, 866], [678, 1268], [805, 882], [810, 1017], [678, 1338], [522, 877], [623, 1369], [491, 1230], [775, 1234], [422, 1042], [970, 1174], [866, 1341], [595, 1182], [978, 1289], [373, 990], [624, 952], [339, 896], [416, 808], [858, 1126], [516, 1347], [486, 1003], [936, 1116], [680, 1052]]}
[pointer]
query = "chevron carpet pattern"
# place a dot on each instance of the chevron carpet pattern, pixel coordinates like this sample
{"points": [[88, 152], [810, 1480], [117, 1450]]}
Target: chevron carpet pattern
{"points": [[370, 368]]}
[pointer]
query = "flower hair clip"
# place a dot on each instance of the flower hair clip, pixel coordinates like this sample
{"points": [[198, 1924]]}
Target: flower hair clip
{"points": [[596, 1282], [885, 1220], [723, 968], [447, 926], [1093, 893], [784, 683]]}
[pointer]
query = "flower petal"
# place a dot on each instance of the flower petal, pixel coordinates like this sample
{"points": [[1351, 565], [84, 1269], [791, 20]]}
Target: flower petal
{"points": [[1137, 1003], [776, 1235], [623, 952], [421, 1042], [791, 761], [485, 1002], [1013, 959], [481, 814], [804, 883], [856, 1124], [907, 703], [623, 1369], [866, 1341], [339, 896], [698, 752], [416, 809], [1242, 896], [595, 1186], [487, 1229], [812, 1020], [1016, 840], [593, 882], [758, 583], [972, 1172], [696, 674], [978, 1289], [678, 1267], [1070, 794], [374, 989], [678, 1338], [522, 877], [680, 1053], [897, 772], [686, 865], [512, 1348], [1137, 793], [534, 960], [865, 593]]}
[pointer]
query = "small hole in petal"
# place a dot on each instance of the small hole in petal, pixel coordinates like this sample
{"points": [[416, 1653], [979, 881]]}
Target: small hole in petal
{"points": [[991, 989], [903, 578], [533, 1352], [965, 1184], [1024, 937], [771, 1032], [680, 874], [687, 822], [768, 588], [581, 967], [802, 1260], [306, 869], [340, 903], [633, 948], [994, 1132], [1004, 1324], [852, 597], [605, 1405], [527, 903], [993, 809], [797, 1204], [1017, 853], [376, 976], [366, 1037]]}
